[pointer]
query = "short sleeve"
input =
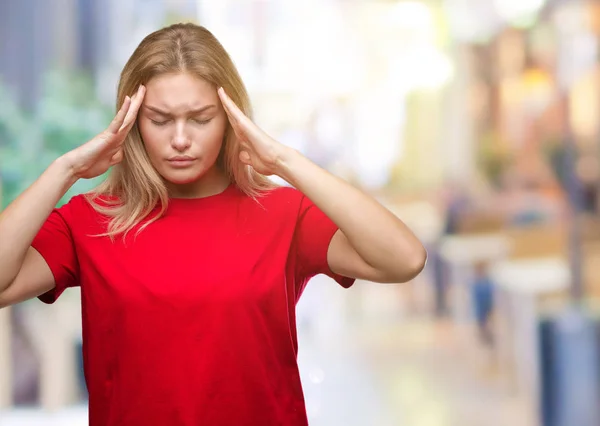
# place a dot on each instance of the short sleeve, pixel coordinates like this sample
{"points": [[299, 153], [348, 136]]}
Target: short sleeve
{"points": [[54, 242], [314, 231]]}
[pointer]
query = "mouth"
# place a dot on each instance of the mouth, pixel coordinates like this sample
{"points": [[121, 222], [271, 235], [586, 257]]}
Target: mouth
{"points": [[181, 161]]}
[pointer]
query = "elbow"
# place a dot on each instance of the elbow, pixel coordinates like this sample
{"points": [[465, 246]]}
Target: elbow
{"points": [[416, 264], [419, 262], [411, 266], [4, 300]]}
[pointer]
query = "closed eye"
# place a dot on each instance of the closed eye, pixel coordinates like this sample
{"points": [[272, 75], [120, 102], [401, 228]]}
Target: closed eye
{"points": [[201, 122], [159, 123], [197, 121]]}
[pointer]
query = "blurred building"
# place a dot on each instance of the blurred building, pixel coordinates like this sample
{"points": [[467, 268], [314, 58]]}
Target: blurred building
{"points": [[459, 114]]}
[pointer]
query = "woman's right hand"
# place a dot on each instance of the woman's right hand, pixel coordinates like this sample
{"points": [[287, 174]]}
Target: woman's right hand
{"points": [[105, 150]]}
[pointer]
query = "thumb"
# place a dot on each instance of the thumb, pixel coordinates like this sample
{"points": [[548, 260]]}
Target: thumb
{"points": [[245, 157], [117, 157]]}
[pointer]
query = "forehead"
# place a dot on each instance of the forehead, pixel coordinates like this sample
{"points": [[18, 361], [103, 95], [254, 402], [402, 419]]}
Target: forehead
{"points": [[179, 92]]}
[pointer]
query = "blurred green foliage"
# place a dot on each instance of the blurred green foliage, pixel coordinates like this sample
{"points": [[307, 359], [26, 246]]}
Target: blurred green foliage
{"points": [[67, 115]]}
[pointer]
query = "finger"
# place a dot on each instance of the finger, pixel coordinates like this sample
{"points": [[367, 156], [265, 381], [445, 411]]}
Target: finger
{"points": [[245, 149], [237, 130], [117, 158], [136, 104], [118, 120], [134, 107], [232, 120], [231, 108], [239, 121], [245, 157], [230, 117]]}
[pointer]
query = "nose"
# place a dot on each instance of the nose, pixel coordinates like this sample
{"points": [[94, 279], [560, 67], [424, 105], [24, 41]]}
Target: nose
{"points": [[181, 140]]}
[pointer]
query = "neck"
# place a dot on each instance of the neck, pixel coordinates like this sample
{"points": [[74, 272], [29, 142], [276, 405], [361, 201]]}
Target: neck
{"points": [[212, 183]]}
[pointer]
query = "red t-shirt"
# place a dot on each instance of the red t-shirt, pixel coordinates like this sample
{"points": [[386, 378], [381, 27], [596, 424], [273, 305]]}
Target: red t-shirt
{"points": [[192, 322]]}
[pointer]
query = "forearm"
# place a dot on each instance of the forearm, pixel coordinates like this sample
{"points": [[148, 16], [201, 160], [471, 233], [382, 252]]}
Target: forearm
{"points": [[380, 238], [24, 217]]}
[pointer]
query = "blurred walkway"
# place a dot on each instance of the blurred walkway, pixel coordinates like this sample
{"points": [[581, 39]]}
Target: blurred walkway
{"points": [[377, 372], [417, 373]]}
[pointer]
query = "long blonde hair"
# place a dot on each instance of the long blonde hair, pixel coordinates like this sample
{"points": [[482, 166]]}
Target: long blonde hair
{"points": [[134, 188]]}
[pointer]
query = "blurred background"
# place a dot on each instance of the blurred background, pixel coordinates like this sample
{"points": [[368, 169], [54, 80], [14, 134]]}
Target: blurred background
{"points": [[476, 121]]}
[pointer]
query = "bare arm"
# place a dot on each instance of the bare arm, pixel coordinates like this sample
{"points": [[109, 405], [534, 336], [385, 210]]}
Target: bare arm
{"points": [[23, 271], [371, 243], [24, 217]]}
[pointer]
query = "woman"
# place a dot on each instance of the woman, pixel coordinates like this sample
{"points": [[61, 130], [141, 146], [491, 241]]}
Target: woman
{"points": [[190, 261]]}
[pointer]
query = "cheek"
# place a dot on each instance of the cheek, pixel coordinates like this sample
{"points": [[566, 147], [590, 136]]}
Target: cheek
{"points": [[211, 139], [208, 139], [151, 139]]}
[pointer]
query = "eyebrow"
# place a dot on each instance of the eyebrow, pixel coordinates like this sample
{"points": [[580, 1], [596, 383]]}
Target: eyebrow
{"points": [[191, 112]]}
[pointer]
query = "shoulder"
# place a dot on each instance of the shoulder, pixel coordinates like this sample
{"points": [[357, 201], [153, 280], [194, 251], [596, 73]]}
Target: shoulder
{"points": [[74, 205], [285, 195], [81, 208], [87, 200], [281, 203], [281, 199]]}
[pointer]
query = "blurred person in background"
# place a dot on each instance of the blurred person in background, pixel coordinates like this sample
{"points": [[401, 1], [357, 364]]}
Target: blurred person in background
{"points": [[482, 293], [190, 260], [455, 202]]}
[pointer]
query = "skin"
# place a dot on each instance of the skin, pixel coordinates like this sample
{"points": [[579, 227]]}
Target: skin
{"points": [[182, 116], [371, 243], [24, 273]]}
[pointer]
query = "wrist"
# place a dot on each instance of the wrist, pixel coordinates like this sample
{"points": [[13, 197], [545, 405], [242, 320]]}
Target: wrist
{"points": [[63, 167], [286, 158]]}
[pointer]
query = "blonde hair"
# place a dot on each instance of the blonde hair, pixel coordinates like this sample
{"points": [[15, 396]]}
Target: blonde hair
{"points": [[134, 188]]}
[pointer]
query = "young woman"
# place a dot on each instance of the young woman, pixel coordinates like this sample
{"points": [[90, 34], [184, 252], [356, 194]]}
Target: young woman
{"points": [[190, 261]]}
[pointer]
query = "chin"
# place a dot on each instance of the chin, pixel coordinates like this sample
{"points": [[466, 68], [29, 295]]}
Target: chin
{"points": [[183, 177]]}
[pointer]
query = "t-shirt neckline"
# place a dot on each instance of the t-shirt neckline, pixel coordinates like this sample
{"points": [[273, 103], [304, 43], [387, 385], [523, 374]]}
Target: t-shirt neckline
{"points": [[184, 202]]}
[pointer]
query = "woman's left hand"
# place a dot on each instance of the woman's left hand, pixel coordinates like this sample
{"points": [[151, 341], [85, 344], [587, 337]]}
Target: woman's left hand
{"points": [[258, 149]]}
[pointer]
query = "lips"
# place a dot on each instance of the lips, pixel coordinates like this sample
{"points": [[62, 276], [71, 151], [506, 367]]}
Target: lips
{"points": [[181, 161]]}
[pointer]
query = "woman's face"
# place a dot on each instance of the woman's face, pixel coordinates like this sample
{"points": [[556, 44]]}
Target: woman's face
{"points": [[182, 124]]}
